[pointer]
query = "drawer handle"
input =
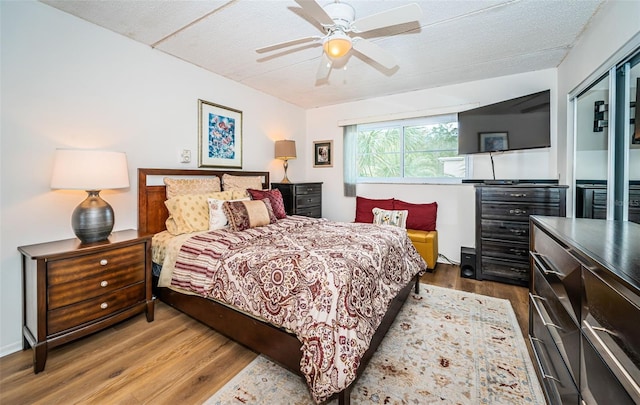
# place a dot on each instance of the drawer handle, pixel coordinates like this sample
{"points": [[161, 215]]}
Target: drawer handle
{"points": [[544, 373], [612, 361], [104, 283], [518, 232], [542, 266], [518, 195], [519, 252], [104, 305], [104, 262], [535, 305], [605, 330], [517, 211]]}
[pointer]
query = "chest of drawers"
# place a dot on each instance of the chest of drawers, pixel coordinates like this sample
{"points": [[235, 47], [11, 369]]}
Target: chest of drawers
{"points": [[71, 290], [301, 198], [584, 310], [502, 227]]}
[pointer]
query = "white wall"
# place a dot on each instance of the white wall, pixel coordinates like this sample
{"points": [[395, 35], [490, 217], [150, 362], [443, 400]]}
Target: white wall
{"points": [[68, 83], [456, 202]]}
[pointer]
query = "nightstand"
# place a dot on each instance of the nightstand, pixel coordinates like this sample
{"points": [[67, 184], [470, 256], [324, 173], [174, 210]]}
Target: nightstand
{"points": [[301, 198], [71, 289]]}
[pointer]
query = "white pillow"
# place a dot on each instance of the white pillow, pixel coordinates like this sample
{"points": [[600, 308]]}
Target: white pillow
{"points": [[217, 218], [393, 218]]}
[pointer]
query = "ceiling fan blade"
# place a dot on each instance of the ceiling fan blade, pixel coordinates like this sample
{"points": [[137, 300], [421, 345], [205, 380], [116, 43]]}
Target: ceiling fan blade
{"points": [[315, 10], [394, 16], [325, 68], [374, 52], [287, 43]]}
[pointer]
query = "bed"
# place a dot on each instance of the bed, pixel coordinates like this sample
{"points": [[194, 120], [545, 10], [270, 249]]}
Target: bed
{"points": [[277, 342]]}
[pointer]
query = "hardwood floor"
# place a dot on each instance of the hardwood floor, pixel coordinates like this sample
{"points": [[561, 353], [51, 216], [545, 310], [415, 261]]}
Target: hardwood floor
{"points": [[173, 360]]}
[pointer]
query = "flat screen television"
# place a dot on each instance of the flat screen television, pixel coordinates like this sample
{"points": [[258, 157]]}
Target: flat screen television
{"points": [[519, 123]]}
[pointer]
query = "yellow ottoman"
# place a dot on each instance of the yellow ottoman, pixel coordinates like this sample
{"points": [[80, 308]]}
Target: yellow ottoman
{"points": [[426, 243]]}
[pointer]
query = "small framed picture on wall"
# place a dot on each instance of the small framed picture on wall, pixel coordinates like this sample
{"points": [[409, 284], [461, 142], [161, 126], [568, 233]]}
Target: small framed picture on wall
{"points": [[323, 154]]}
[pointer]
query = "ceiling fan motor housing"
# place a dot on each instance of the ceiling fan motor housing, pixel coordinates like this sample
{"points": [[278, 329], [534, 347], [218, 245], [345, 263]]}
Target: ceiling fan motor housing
{"points": [[342, 14]]}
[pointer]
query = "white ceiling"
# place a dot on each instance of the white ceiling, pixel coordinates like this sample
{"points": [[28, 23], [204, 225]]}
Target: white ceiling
{"points": [[452, 42]]}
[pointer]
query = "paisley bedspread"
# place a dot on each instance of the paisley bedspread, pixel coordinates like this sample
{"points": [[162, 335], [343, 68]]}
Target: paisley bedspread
{"points": [[329, 283]]}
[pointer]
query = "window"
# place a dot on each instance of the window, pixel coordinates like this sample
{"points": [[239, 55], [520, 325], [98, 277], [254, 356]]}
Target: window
{"points": [[416, 150]]}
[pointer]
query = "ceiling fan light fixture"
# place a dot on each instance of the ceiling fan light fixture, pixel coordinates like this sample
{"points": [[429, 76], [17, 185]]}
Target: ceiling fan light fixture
{"points": [[337, 45]]}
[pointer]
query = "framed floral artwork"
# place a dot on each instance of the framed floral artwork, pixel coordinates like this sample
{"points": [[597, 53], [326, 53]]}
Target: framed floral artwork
{"points": [[323, 154], [220, 136]]}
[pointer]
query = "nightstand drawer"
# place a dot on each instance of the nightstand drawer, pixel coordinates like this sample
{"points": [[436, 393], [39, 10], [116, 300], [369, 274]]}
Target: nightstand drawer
{"points": [[308, 200], [312, 212], [63, 271], [89, 287], [314, 188], [74, 315]]}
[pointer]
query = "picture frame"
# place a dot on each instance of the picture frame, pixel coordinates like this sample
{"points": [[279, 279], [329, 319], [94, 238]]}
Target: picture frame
{"points": [[219, 136], [494, 141], [323, 154]]}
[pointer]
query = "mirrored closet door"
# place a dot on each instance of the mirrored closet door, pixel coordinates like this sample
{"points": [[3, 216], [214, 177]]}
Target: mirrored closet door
{"points": [[607, 144]]}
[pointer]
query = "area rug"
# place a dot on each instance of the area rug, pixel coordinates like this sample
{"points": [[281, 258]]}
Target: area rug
{"points": [[445, 347]]}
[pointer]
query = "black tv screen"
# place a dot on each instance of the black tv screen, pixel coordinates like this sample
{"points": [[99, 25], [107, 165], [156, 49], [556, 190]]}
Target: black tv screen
{"points": [[519, 123]]}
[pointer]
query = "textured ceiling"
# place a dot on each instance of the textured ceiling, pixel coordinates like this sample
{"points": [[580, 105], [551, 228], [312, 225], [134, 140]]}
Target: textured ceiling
{"points": [[452, 42]]}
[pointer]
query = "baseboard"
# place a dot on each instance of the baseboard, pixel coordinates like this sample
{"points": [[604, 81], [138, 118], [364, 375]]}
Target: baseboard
{"points": [[10, 349]]}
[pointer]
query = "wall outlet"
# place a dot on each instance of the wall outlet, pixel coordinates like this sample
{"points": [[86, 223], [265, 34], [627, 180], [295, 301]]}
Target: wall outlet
{"points": [[185, 156]]}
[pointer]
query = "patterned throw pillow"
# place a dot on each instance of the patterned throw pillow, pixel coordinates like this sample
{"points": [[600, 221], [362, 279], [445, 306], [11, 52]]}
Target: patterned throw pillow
{"points": [[274, 196], [241, 183], [190, 212], [393, 218], [248, 214], [176, 187], [217, 218]]}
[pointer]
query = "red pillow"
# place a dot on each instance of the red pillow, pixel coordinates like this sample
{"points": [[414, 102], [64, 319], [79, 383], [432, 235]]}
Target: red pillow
{"points": [[421, 216], [364, 207], [275, 198]]}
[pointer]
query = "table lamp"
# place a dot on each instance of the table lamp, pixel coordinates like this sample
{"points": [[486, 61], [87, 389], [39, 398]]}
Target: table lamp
{"points": [[92, 171], [285, 150]]}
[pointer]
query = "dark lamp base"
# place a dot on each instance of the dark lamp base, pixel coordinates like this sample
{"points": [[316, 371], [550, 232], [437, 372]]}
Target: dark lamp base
{"points": [[92, 220]]}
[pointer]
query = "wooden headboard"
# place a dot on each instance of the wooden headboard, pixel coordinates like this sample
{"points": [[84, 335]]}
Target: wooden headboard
{"points": [[152, 213]]}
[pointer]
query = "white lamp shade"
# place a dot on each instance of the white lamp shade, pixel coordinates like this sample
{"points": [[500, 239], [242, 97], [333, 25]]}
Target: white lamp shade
{"points": [[84, 169], [285, 150]]}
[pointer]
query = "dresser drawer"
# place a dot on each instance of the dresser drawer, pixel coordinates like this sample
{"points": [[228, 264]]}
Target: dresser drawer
{"points": [[505, 230], [82, 289], [559, 386], [66, 270], [521, 194], [561, 270], [610, 323], [563, 326], [308, 189], [308, 200], [598, 384], [511, 270], [71, 316], [506, 250], [516, 212]]}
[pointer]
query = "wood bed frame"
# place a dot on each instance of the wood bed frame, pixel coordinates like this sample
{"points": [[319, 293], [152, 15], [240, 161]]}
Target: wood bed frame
{"points": [[274, 342]]}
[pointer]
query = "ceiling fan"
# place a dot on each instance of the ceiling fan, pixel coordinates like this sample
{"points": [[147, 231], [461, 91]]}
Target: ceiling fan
{"points": [[338, 23]]}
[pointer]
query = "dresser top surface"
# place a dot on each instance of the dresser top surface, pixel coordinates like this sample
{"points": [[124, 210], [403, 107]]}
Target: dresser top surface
{"points": [[615, 245]]}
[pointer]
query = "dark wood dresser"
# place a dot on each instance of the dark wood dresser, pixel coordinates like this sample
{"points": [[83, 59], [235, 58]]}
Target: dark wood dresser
{"points": [[72, 289], [502, 227], [584, 309], [301, 198]]}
